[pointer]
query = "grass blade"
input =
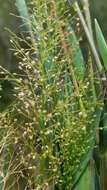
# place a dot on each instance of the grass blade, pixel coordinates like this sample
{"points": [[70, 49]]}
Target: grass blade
{"points": [[86, 179], [23, 11], [103, 151], [102, 45], [88, 156], [22, 8], [89, 37], [76, 54]]}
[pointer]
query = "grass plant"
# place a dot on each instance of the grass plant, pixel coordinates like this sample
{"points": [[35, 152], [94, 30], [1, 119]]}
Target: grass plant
{"points": [[50, 127]]}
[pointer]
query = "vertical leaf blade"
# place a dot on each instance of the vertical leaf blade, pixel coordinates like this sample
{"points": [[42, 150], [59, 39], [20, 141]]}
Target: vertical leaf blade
{"points": [[102, 45], [23, 11], [86, 181], [22, 8], [76, 54]]}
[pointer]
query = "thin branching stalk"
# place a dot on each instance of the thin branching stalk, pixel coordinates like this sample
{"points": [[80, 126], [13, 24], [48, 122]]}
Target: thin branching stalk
{"points": [[66, 52]]}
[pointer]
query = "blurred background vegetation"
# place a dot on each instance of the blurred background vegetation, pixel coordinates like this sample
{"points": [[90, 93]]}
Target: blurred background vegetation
{"points": [[9, 20], [99, 11], [6, 21]]}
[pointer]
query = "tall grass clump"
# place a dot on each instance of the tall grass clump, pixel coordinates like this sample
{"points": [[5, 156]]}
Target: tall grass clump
{"points": [[50, 126]]}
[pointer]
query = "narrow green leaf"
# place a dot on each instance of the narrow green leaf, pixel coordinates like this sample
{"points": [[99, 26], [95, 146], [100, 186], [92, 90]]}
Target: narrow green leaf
{"points": [[91, 138], [22, 8], [86, 181], [103, 150], [102, 45], [23, 11], [76, 54]]}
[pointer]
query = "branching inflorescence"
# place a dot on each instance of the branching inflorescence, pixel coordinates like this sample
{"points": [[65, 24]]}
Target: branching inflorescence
{"points": [[47, 129]]}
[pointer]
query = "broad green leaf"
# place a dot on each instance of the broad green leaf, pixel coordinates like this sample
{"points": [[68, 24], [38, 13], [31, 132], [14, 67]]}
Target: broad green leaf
{"points": [[102, 45]]}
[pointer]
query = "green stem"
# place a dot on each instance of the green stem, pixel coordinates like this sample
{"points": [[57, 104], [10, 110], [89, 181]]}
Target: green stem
{"points": [[87, 15], [89, 24]]}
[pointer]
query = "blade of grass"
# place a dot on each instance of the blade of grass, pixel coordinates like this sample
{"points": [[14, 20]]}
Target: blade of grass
{"points": [[89, 24], [103, 151], [101, 44], [72, 70], [87, 179], [23, 11], [87, 15], [88, 156], [76, 54], [92, 45]]}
